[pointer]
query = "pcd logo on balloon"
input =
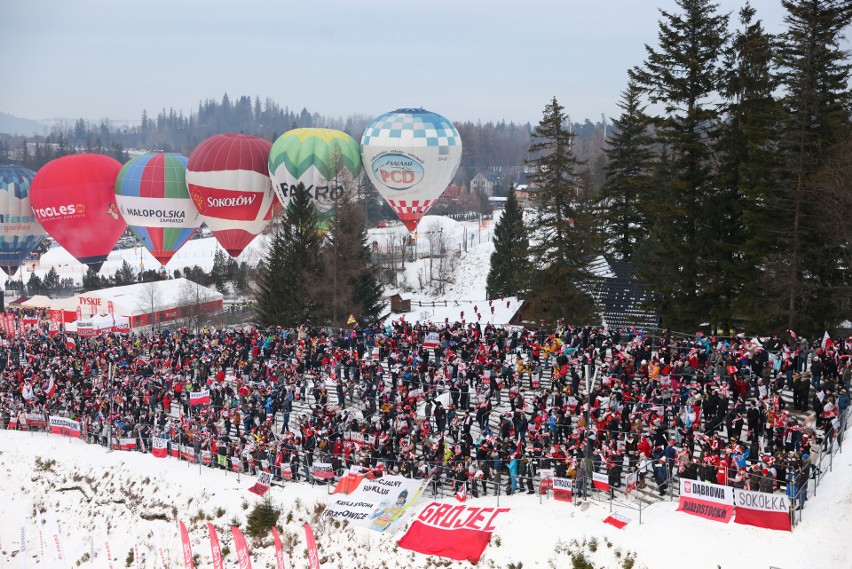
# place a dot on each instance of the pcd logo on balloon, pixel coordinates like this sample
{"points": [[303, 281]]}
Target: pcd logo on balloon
{"points": [[397, 171]]}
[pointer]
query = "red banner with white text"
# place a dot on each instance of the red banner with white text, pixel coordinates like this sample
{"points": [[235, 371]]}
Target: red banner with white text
{"points": [[214, 546], [186, 548], [454, 531], [242, 548]]}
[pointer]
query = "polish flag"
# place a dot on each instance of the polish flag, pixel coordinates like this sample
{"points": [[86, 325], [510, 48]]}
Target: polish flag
{"points": [[70, 342], [461, 495], [160, 447], [263, 484], [827, 342], [617, 519], [199, 397], [51, 388], [600, 481]]}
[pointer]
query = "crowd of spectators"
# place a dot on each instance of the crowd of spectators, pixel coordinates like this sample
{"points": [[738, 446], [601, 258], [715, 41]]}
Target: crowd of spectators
{"points": [[492, 408]]}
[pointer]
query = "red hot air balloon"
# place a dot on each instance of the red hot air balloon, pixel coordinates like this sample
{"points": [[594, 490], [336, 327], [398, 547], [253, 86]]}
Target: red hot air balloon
{"points": [[228, 180], [73, 198]]}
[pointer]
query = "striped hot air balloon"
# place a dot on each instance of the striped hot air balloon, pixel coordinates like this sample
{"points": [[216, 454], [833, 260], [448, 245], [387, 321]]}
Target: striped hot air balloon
{"points": [[151, 194], [411, 155], [228, 179], [20, 231]]}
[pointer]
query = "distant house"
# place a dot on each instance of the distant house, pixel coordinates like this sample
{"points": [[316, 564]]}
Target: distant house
{"points": [[486, 183], [453, 195]]}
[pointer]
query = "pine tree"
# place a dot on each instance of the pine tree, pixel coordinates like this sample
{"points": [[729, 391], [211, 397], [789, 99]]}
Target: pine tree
{"points": [[509, 274], [814, 76], [683, 75], [747, 177], [350, 285], [289, 273], [627, 195], [564, 237]]}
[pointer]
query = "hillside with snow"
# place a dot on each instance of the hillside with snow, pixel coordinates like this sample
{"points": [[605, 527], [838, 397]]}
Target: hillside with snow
{"points": [[131, 500]]}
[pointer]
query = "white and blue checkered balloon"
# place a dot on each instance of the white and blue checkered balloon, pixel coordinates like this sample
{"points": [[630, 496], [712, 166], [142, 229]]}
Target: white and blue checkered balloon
{"points": [[411, 155]]}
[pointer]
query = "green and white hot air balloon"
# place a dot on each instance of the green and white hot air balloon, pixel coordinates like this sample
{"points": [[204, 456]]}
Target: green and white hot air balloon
{"points": [[325, 161]]}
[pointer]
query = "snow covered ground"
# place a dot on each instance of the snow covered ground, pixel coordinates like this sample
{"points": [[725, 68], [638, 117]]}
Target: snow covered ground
{"points": [[134, 498], [129, 498]]}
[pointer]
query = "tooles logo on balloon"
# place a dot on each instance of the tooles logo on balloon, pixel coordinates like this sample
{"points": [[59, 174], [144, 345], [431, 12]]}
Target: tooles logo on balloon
{"points": [[70, 211], [397, 171]]}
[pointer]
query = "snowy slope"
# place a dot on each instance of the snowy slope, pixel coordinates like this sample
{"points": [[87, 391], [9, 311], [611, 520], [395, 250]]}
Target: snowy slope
{"points": [[138, 498]]}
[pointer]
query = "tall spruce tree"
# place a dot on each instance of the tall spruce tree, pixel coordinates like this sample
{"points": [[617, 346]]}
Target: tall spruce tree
{"points": [[509, 274], [288, 274], [350, 284], [564, 240], [682, 75], [814, 76], [747, 178], [627, 194]]}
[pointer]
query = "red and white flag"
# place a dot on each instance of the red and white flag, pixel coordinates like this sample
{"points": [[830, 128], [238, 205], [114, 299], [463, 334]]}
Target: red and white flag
{"points": [[242, 548], [70, 342], [160, 447], [262, 485], [313, 554], [600, 481], [51, 387], [563, 489], [187, 548], [631, 482], [214, 546], [199, 397], [461, 495], [617, 519], [279, 551], [771, 511], [125, 443], [827, 342], [323, 470]]}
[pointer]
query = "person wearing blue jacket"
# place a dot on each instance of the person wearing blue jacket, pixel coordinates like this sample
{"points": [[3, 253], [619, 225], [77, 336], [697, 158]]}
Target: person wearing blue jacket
{"points": [[661, 475], [512, 465]]}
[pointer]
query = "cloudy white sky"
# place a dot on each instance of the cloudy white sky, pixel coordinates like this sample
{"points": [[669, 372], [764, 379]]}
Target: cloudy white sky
{"points": [[465, 59]]}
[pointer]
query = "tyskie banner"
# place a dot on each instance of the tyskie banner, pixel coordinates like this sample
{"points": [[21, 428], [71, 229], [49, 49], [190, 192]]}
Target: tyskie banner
{"points": [[771, 511], [242, 548], [215, 548], [186, 548], [455, 531], [706, 500], [376, 504]]}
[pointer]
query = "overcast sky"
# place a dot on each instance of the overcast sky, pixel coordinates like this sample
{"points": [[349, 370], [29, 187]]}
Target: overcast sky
{"points": [[465, 59]]}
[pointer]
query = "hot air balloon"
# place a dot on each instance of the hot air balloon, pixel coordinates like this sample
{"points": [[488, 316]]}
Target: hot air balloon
{"points": [[323, 159], [228, 179], [411, 155], [74, 199], [20, 231], [151, 194]]}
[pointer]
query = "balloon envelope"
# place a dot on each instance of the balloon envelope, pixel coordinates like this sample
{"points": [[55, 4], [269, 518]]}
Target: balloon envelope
{"points": [[411, 155], [323, 159], [74, 199], [20, 231], [151, 194], [228, 179]]}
